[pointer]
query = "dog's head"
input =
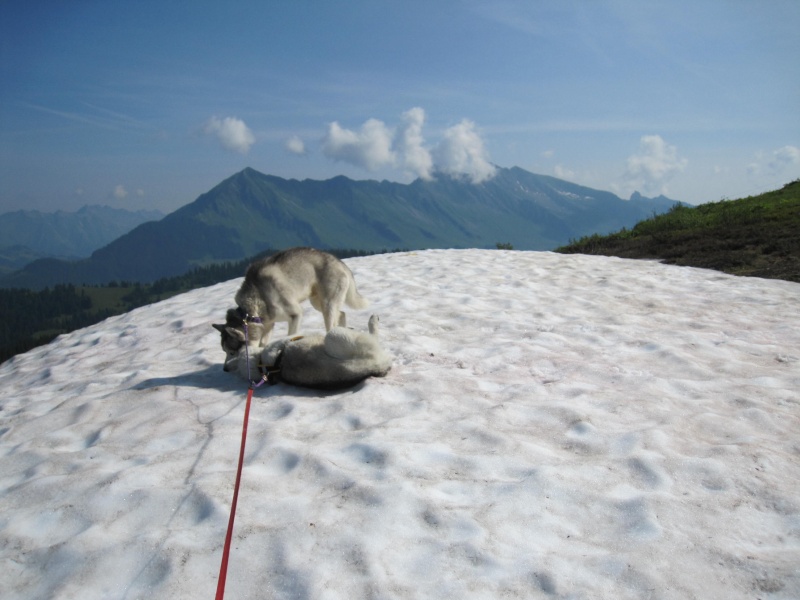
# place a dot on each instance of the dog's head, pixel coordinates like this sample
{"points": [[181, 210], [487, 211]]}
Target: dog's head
{"points": [[232, 336]]}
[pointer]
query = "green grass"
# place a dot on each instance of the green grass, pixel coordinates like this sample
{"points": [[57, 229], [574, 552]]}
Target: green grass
{"points": [[758, 236], [107, 298]]}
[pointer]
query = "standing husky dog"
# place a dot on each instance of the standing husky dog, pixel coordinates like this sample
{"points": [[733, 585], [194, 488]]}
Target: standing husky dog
{"points": [[274, 288]]}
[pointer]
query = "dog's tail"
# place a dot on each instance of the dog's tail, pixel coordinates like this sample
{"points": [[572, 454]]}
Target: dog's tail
{"points": [[353, 298]]}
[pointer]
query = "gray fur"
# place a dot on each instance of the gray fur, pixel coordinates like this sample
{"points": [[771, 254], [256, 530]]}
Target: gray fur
{"points": [[341, 358], [274, 289]]}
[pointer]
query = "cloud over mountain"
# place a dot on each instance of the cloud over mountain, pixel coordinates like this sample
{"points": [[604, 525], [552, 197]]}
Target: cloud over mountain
{"points": [[370, 147], [460, 152], [231, 132], [410, 145], [654, 165], [295, 145], [120, 193]]}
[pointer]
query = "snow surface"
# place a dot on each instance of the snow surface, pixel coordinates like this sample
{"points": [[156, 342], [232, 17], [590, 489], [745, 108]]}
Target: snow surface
{"points": [[553, 427]]}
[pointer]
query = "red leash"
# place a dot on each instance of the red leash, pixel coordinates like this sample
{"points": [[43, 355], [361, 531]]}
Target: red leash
{"points": [[223, 568]]}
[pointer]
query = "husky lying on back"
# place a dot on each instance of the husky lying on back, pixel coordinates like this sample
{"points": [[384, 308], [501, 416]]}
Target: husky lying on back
{"points": [[274, 288], [341, 358]]}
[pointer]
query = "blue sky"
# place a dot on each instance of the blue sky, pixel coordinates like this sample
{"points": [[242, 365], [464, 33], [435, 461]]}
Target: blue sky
{"points": [[149, 104]]}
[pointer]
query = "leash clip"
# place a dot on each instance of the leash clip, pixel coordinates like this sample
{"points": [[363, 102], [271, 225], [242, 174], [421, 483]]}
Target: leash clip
{"points": [[269, 375]]}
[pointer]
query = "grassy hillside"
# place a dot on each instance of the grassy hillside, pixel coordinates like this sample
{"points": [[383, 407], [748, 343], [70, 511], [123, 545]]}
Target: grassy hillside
{"points": [[757, 236]]}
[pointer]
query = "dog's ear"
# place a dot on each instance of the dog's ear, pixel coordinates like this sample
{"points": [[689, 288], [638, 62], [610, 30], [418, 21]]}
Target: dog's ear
{"points": [[218, 327], [236, 333]]}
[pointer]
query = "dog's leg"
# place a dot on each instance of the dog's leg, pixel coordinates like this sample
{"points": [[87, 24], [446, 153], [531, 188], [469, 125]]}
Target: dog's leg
{"points": [[333, 316], [316, 302], [294, 323], [255, 332], [333, 313], [266, 333]]}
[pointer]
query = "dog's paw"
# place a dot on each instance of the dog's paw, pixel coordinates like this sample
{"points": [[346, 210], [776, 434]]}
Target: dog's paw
{"points": [[374, 320]]}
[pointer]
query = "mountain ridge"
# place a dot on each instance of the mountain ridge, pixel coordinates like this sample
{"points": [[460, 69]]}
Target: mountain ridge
{"points": [[28, 235], [250, 212]]}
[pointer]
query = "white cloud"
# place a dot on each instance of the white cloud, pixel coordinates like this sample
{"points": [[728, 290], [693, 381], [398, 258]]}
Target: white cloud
{"points": [[784, 157], [231, 132], [369, 148], [409, 145], [295, 145], [563, 173], [119, 192], [656, 163], [775, 164], [462, 153]]}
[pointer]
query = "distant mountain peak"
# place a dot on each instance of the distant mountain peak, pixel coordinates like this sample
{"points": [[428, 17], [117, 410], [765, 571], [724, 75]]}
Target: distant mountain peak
{"points": [[29, 235], [250, 212], [661, 198]]}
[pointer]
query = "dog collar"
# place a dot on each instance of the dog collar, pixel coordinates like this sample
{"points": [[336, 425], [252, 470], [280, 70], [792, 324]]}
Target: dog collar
{"points": [[247, 318], [271, 374]]}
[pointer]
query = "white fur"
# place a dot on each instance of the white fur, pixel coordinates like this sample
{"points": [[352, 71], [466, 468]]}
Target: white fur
{"points": [[347, 344], [341, 358]]}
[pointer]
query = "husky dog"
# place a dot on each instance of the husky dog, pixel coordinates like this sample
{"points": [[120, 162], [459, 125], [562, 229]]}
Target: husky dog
{"points": [[274, 288], [341, 358]]}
